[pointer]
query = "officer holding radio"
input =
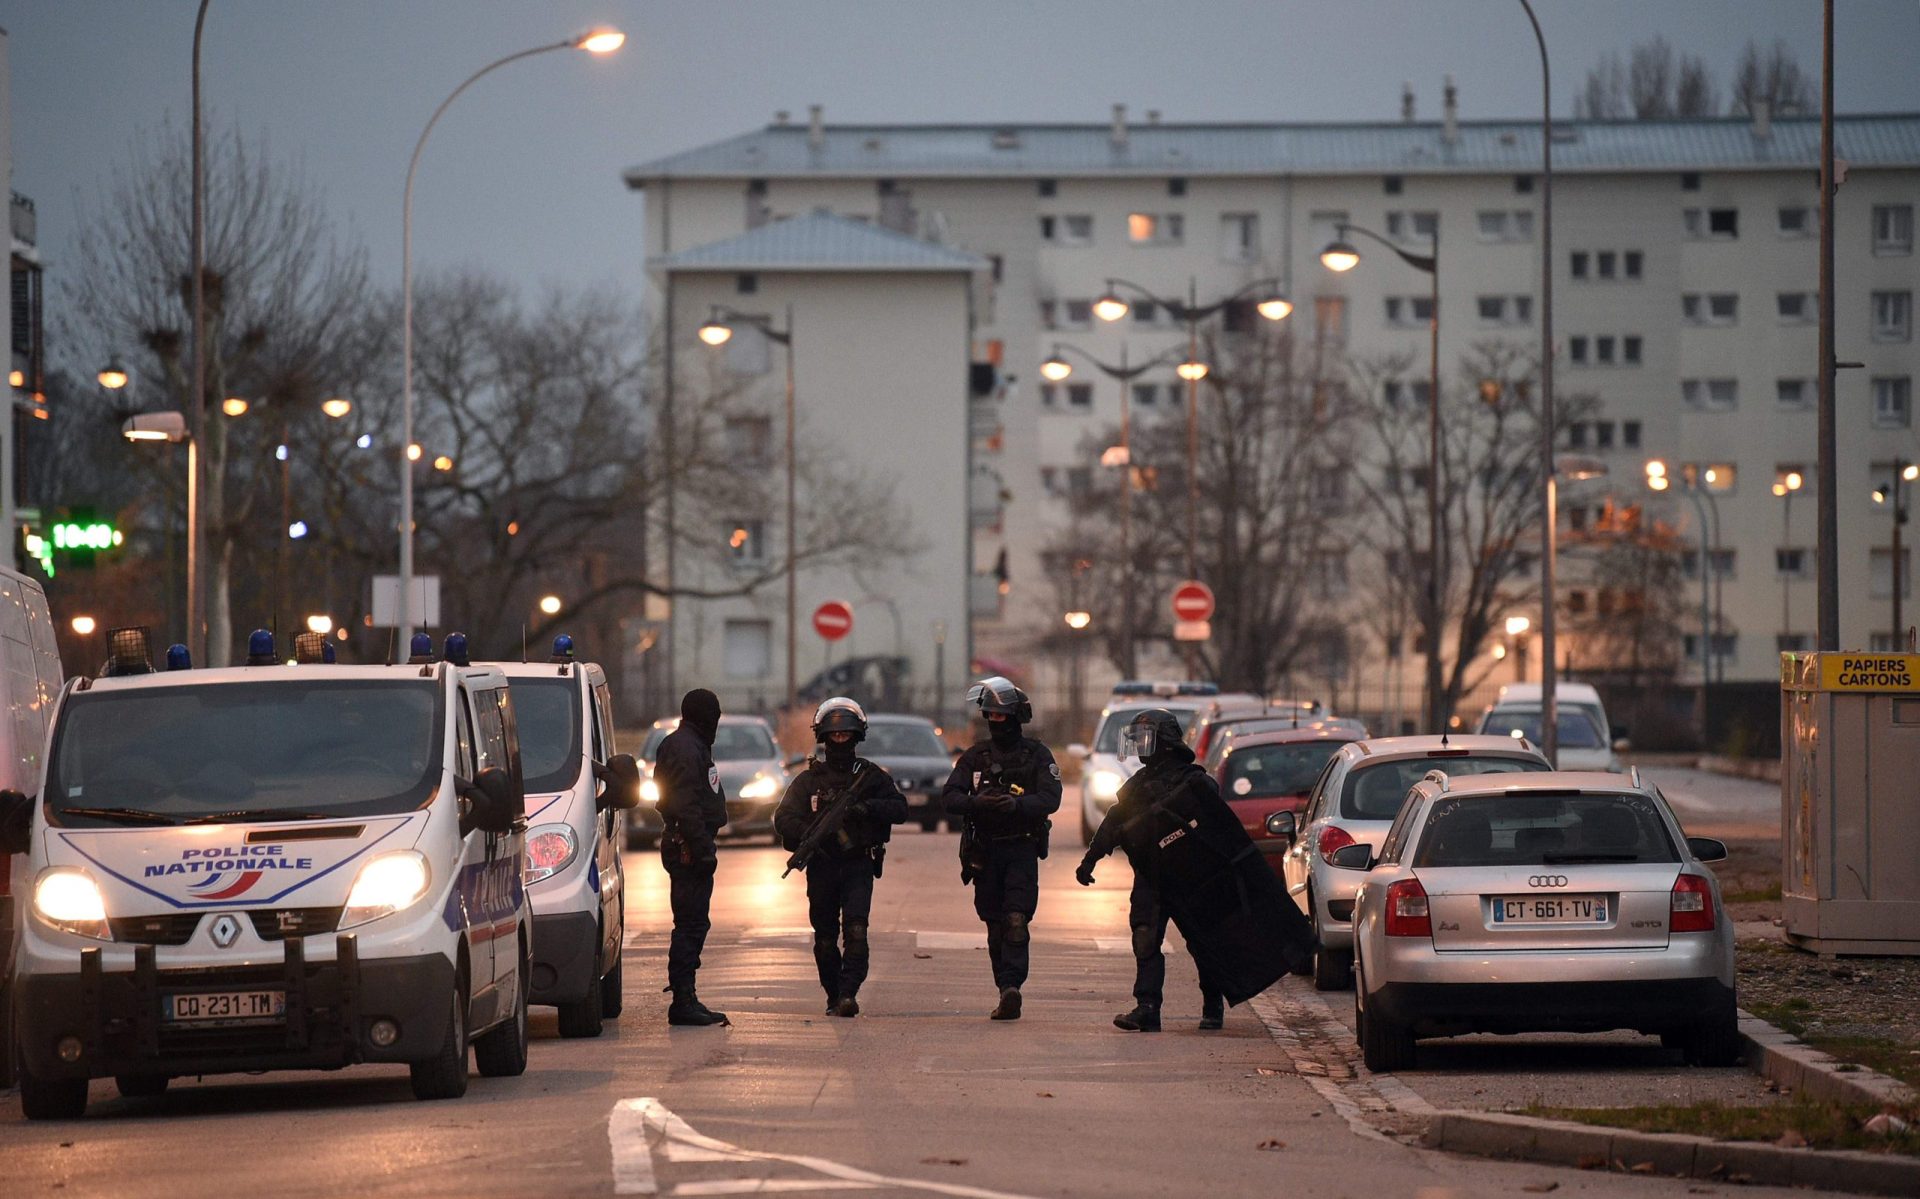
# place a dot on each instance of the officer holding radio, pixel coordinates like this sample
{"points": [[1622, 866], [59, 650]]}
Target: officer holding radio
{"points": [[1004, 789]]}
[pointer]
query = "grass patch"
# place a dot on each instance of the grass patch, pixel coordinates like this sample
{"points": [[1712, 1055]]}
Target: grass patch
{"points": [[1892, 1058], [1766, 894], [1820, 1125]]}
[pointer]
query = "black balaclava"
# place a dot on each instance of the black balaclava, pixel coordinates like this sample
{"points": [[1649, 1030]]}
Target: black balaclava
{"points": [[838, 756], [1005, 733], [700, 711]]}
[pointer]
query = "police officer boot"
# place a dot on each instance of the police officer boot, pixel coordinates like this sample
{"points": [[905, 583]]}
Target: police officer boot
{"points": [[1009, 1006], [1213, 1013], [848, 1006], [1143, 1018], [686, 1010]]}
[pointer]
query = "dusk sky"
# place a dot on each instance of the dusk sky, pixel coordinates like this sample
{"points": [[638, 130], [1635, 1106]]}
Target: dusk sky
{"points": [[522, 177]]}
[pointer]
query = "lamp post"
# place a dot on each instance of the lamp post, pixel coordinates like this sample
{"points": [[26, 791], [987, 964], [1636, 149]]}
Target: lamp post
{"points": [[1058, 368], [594, 41], [1272, 305], [1659, 480], [1891, 495], [1517, 627], [716, 333], [1784, 490], [1341, 256], [197, 406]]}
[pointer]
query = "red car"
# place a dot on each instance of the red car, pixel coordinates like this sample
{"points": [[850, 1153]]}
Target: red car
{"points": [[1270, 772]]}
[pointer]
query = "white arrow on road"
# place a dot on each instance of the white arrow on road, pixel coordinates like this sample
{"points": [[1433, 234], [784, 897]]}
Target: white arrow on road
{"points": [[633, 1123]]}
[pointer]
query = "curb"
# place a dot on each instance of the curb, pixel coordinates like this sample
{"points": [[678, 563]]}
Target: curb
{"points": [[1782, 1057], [1587, 1146]]}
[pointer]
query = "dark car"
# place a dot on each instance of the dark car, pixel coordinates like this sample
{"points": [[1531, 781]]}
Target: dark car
{"points": [[748, 760], [1270, 772], [910, 749]]}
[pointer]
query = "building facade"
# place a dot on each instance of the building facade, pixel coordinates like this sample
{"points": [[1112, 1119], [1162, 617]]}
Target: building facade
{"points": [[1684, 289]]}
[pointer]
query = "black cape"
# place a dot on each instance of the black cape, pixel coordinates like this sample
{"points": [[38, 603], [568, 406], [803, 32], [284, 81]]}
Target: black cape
{"points": [[1244, 931]]}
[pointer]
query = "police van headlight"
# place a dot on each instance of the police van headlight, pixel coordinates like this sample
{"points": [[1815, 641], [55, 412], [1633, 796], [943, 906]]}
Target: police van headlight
{"points": [[760, 786], [386, 884], [550, 849], [69, 900], [1106, 784], [649, 791]]}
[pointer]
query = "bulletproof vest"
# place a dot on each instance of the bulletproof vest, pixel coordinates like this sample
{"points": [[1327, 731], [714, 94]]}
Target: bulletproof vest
{"points": [[1019, 766], [825, 785]]}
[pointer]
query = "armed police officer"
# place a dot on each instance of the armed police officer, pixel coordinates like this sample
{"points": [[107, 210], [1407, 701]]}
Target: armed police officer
{"points": [[1004, 789], [693, 809], [835, 818], [1194, 865]]}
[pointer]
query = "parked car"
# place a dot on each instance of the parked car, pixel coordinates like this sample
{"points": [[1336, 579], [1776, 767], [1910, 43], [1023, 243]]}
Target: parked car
{"points": [[1265, 774], [1562, 901], [751, 774], [1355, 800], [1583, 745], [1237, 712], [909, 748], [1566, 694], [1227, 728]]}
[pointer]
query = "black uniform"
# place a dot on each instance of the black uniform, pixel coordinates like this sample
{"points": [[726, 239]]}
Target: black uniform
{"points": [[1147, 916], [841, 873], [693, 809], [1001, 849]]}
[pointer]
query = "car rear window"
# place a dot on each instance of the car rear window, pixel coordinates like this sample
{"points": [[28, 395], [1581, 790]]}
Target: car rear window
{"points": [[1257, 770], [1577, 729], [1375, 790], [1543, 829]]}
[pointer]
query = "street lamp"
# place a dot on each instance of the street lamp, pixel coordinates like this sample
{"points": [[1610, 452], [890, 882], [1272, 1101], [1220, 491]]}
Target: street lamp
{"points": [[1784, 490], [550, 604], [84, 625], [1517, 627], [594, 41], [1903, 472], [320, 623], [235, 406], [1341, 256], [113, 376], [717, 331], [155, 426], [336, 407]]}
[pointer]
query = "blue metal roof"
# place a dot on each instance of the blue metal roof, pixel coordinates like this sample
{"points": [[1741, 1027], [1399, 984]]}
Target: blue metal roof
{"points": [[948, 151], [819, 241]]}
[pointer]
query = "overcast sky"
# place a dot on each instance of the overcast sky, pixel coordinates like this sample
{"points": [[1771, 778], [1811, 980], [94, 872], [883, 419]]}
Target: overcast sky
{"points": [[523, 175]]}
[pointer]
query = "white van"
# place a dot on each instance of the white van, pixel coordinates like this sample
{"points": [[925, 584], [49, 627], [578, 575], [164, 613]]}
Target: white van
{"points": [[30, 680], [576, 787], [270, 868], [1103, 770]]}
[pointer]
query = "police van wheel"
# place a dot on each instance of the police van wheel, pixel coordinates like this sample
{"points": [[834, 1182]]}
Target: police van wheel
{"points": [[51, 1098], [444, 1075], [501, 1052], [613, 992], [582, 1019], [140, 1086]]}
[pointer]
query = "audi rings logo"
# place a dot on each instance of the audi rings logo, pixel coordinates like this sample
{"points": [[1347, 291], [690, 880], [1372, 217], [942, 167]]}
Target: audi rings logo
{"points": [[1547, 880]]}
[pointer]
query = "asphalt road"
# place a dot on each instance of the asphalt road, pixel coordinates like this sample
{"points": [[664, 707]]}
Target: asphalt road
{"points": [[919, 1095]]}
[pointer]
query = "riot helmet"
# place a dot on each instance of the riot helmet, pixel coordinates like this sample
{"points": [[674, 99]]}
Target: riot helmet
{"points": [[1153, 732], [998, 695], [839, 715]]}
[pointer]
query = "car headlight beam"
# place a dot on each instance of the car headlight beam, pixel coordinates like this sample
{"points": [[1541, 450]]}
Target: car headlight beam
{"points": [[1106, 784], [69, 900], [386, 884], [649, 791], [760, 786]]}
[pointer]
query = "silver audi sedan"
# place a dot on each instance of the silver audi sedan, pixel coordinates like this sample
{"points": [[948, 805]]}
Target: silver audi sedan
{"points": [[1355, 799], [1568, 902]]}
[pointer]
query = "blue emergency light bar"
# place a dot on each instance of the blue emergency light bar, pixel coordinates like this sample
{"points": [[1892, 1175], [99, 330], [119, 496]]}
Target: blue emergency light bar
{"points": [[454, 649], [178, 658], [420, 650], [562, 649], [260, 649]]}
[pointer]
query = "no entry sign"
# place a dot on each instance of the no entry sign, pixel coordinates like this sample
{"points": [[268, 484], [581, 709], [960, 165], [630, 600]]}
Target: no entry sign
{"points": [[833, 620], [1193, 600]]}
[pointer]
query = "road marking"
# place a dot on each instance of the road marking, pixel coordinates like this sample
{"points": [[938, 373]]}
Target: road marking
{"points": [[950, 940], [633, 1122], [791, 932], [1125, 945]]}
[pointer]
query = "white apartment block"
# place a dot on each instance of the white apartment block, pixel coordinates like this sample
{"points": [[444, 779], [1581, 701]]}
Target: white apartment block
{"points": [[1684, 266]]}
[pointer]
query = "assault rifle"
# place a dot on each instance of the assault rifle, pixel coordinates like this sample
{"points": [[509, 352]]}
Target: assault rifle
{"points": [[832, 818]]}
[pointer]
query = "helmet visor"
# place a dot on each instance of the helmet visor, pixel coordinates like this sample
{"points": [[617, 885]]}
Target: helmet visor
{"points": [[996, 694], [1138, 740]]}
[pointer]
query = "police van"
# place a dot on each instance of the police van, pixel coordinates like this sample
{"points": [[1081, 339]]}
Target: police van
{"points": [[271, 867], [577, 788]]}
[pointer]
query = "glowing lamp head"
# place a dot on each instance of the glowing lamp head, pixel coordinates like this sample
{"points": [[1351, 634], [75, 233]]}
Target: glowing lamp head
{"points": [[1340, 256], [1794, 481], [1110, 307], [454, 649], [1879, 495], [84, 625], [1275, 308], [235, 406], [364, 441], [1516, 625], [550, 604], [320, 623], [1910, 473], [336, 407], [601, 41], [1055, 369], [112, 377], [1079, 620], [414, 451], [443, 463], [1779, 489], [1656, 469], [1192, 372], [716, 334]]}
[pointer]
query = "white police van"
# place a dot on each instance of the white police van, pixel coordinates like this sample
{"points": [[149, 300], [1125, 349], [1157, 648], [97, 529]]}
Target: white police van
{"points": [[576, 788], [271, 867]]}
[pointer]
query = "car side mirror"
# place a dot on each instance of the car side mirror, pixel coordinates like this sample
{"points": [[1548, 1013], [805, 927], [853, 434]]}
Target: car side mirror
{"points": [[1282, 824], [16, 822], [621, 774], [1353, 857], [489, 803], [1706, 849], [1077, 750]]}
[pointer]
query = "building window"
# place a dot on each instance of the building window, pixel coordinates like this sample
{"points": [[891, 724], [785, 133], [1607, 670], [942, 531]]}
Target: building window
{"points": [[1605, 264], [1155, 229], [1071, 230], [1795, 395], [1630, 434], [1887, 643], [1239, 237], [1577, 264], [1725, 645], [1577, 350], [1603, 435], [1410, 393], [1715, 308], [1393, 185], [1505, 310], [1892, 316], [1717, 224], [1076, 314], [1793, 643], [1631, 260], [1079, 395], [1893, 228], [1893, 402], [1711, 395], [1409, 311], [1880, 571], [1796, 222], [746, 540], [1796, 307], [1523, 185], [1603, 350], [746, 285], [1790, 562], [1723, 563], [1413, 226], [1505, 225], [1630, 351], [1048, 188], [1145, 393], [749, 440], [1176, 187], [748, 648], [1690, 181]]}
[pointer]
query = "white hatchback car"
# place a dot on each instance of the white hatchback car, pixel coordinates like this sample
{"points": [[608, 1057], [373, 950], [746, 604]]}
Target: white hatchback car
{"points": [[1561, 901], [1357, 797], [1102, 769]]}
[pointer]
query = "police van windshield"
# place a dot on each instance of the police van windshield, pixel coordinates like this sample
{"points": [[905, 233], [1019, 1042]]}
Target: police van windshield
{"points": [[1375, 790], [292, 748], [903, 740], [1544, 830], [1108, 742], [547, 712]]}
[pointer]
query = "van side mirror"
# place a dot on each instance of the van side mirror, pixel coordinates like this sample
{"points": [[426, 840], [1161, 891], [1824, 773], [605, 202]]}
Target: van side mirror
{"points": [[1282, 824], [16, 822], [489, 803], [1706, 849], [621, 774], [1353, 857]]}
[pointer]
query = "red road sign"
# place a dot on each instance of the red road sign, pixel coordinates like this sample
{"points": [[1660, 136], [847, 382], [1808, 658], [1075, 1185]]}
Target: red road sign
{"points": [[833, 620], [1193, 600]]}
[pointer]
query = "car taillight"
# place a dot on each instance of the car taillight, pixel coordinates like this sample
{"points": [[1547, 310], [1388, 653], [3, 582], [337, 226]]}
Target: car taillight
{"points": [[1333, 837], [1407, 910], [1692, 910]]}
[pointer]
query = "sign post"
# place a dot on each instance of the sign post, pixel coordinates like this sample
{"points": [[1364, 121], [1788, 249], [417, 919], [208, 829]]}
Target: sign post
{"points": [[833, 620], [1192, 611]]}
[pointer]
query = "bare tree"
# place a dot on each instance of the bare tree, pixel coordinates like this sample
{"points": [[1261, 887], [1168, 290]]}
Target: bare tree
{"points": [[1603, 95], [1773, 76], [1652, 83], [1627, 619]]}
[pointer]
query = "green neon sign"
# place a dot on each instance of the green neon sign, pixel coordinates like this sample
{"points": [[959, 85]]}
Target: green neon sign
{"points": [[92, 535]]}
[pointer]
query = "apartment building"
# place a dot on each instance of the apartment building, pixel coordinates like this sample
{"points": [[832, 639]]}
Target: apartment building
{"points": [[1684, 267]]}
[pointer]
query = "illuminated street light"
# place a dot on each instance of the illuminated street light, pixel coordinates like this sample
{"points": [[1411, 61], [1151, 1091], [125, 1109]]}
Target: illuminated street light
{"points": [[297, 530], [1340, 256], [443, 463], [234, 406], [1079, 620], [113, 376], [155, 426], [320, 623], [1055, 369], [1275, 308], [1517, 625], [413, 452], [336, 407], [1110, 307], [550, 604], [364, 441], [1192, 372], [601, 41], [84, 625], [714, 333]]}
